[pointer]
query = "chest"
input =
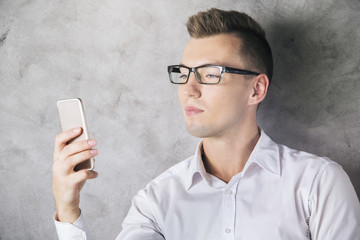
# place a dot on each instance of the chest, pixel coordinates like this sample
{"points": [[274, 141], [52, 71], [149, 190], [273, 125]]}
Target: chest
{"points": [[246, 210]]}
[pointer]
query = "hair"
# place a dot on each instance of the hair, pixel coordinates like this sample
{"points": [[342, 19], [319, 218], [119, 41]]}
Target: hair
{"points": [[255, 48]]}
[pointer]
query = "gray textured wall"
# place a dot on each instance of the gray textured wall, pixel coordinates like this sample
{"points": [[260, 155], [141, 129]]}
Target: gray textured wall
{"points": [[113, 54]]}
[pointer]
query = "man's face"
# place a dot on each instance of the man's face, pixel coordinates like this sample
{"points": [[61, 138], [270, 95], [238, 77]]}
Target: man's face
{"points": [[215, 110]]}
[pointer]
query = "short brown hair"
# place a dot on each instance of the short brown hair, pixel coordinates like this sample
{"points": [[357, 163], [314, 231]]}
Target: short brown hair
{"points": [[256, 48]]}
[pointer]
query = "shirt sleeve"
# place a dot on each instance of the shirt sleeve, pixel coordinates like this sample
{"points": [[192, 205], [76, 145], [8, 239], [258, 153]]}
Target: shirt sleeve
{"points": [[77, 230], [334, 206], [140, 222]]}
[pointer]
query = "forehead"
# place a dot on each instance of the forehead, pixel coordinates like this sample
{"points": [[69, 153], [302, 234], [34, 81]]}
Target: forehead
{"points": [[222, 49]]}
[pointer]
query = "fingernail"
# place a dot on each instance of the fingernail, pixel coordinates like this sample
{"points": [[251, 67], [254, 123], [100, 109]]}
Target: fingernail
{"points": [[93, 151], [76, 130], [92, 142]]}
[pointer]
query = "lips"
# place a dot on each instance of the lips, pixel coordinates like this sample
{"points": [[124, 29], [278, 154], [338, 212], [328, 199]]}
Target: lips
{"points": [[190, 110]]}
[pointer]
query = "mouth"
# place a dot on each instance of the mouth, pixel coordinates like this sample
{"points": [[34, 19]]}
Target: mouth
{"points": [[190, 110]]}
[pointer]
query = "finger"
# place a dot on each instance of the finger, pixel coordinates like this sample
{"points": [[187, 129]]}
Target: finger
{"points": [[77, 147], [62, 138], [83, 175], [75, 159]]}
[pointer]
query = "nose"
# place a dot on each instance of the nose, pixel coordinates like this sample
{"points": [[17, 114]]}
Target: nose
{"points": [[192, 88]]}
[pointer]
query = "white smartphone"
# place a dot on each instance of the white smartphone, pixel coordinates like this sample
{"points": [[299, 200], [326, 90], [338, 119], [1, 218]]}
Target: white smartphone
{"points": [[72, 115]]}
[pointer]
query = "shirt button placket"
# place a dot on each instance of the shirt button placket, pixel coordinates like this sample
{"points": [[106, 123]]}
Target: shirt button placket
{"points": [[229, 214]]}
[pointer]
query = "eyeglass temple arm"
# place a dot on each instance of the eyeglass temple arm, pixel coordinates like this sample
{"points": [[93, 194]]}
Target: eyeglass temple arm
{"points": [[240, 71]]}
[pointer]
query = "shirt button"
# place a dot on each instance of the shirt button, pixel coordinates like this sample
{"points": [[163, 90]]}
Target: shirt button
{"points": [[228, 230], [229, 192]]}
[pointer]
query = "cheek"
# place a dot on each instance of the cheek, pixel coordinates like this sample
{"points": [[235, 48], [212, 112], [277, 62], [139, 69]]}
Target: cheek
{"points": [[238, 99], [180, 94], [230, 100]]}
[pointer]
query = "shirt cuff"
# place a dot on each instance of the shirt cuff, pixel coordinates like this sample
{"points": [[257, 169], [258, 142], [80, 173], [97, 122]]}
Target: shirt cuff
{"points": [[77, 230]]}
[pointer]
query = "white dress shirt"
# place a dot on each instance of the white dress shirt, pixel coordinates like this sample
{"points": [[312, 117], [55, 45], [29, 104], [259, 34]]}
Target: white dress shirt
{"points": [[281, 194]]}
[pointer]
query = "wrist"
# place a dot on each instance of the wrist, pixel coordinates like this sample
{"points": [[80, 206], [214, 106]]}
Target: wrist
{"points": [[67, 215]]}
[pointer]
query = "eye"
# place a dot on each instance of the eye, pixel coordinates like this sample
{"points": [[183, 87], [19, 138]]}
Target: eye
{"points": [[209, 74], [212, 76], [183, 76]]}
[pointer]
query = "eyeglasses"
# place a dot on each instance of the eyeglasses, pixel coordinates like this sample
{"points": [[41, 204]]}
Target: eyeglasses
{"points": [[206, 74]]}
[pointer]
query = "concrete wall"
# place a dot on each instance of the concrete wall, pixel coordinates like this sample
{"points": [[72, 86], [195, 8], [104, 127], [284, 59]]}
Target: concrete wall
{"points": [[113, 54]]}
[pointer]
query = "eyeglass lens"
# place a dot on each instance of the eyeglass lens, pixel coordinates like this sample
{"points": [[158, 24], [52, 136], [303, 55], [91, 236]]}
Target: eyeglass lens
{"points": [[208, 74]]}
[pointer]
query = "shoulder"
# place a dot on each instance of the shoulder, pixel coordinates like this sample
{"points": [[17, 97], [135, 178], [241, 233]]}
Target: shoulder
{"points": [[313, 174], [303, 162], [308, 173], [171, 181], [290, 163], [178, 172]]}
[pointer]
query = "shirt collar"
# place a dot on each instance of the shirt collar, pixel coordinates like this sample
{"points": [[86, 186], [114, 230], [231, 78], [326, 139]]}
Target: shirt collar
{"points": [[196, 169], [265, 154]]}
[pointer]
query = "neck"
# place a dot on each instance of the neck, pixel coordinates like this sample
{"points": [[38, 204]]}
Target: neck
{"points": [[224, 157]]}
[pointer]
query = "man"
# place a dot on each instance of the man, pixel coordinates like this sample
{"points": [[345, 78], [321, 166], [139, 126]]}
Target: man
{"points": [[239, 184]]}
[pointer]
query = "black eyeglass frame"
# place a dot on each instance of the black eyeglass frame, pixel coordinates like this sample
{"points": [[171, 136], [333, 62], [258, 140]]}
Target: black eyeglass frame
{"points": [[222, 70]]}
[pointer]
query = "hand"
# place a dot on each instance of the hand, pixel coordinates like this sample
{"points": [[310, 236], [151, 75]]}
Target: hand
{"points": [[67, 183]]}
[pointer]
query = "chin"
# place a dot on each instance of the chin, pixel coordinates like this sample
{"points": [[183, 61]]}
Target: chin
{"points": [[199, 131]]}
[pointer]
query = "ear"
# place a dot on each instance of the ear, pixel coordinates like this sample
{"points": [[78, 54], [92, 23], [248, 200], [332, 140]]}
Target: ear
{"points": [[260, 85]]}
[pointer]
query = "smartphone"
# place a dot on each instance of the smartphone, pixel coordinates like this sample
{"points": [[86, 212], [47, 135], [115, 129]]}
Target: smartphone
{"points": [[72, 115]]}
